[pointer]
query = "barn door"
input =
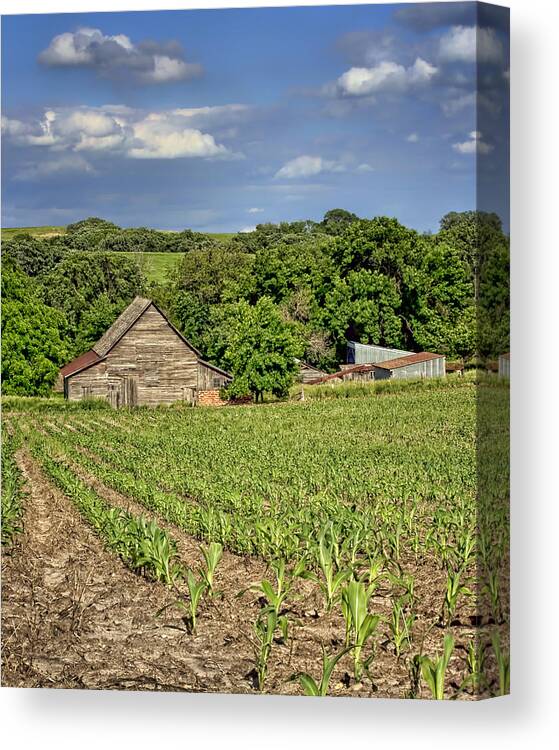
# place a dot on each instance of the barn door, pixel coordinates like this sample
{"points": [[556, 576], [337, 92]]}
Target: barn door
{"points": [[130, 390], [113, 396]]}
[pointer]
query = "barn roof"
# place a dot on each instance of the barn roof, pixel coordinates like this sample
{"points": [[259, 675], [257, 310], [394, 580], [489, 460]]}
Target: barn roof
{"points": [[410, 359], [302, 363], [84, 360], [123, 323], [119, 328]]}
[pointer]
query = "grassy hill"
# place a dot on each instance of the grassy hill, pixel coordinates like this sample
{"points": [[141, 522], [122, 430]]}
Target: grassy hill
{"points": [[51, 231], [35, 231]]}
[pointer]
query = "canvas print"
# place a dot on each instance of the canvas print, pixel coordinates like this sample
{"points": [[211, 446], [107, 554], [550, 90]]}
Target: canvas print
{"points": [[255, 351]]}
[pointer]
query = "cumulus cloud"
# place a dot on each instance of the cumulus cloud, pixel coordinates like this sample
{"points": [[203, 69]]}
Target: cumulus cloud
{"points": [[113, 129], [307, 166], [254, 210], [470, 43], [386, 76], [474, 145], [362, 168], [412, 138], [117, 56]]}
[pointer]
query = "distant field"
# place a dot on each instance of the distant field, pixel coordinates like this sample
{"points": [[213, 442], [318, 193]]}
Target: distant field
{"points": [[35, 231], [51, 231], [156, 266]]}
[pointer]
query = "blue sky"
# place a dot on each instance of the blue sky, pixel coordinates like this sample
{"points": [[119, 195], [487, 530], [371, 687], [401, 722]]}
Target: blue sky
{"points": [[222, 119]]}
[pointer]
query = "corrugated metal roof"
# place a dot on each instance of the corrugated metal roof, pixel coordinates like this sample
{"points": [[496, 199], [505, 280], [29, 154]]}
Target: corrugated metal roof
{"points": [[347, 370], [410, 359], [83, 360], [124, 321]]}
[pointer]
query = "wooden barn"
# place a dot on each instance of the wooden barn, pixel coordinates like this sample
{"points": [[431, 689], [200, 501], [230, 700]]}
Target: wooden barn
{"points": [[143, 360]]}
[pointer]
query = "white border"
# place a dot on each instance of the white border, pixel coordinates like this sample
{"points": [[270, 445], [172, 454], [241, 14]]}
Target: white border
{"points": [[64, 719]]}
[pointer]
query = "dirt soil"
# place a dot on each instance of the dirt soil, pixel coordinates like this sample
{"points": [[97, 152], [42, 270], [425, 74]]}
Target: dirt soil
{"points": [[73, 616]]}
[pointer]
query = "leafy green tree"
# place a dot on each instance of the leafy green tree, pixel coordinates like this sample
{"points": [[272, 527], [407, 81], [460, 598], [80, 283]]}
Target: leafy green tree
{"points": [[337, 219], [33, 256], [95, 321], [78, 281], [261, 351], [363, 306], [34, 343]]}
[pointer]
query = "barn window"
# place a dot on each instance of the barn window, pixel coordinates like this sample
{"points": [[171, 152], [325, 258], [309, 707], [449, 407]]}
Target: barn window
{"points": [[86, 391], [216, 382]]}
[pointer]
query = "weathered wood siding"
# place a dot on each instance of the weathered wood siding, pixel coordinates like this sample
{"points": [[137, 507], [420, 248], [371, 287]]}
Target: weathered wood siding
{"points": [[307, 373], [150, 365], [210, 379]]}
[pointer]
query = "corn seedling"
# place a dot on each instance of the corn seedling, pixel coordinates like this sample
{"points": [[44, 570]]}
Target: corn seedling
{"points": [[212, 556], [401, 623], [360, 625], [264, 630], [503, 664], [434, 671], [309, 684], [196, 589], [454, 589]]}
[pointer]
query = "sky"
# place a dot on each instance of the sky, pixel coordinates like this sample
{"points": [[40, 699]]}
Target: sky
{"points": [[218, 120]]}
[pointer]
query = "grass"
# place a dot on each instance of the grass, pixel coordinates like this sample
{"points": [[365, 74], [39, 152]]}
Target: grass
{"points": [[46, 231], [156, 266]]}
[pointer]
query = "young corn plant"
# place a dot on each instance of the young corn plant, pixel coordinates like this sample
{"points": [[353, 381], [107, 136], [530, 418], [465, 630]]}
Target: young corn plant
{"points": [[491, 589], [401, 624], [454, 589], [360, 624], [332, 579], [212, 556], [475, 659], [309, 684], [196, 588], [264, 630], [434, 671], [503, 664]]}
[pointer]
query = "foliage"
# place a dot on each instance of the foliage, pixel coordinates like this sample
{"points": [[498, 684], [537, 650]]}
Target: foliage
{"points": [[261, 351], [34, 337], [12, 504]]}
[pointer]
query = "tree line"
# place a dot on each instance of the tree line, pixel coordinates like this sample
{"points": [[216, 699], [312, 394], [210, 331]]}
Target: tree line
{"points": [[256, 301]]}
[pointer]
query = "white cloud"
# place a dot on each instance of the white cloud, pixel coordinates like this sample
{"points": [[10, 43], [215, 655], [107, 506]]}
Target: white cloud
{"points": [[474, 145], [307, 166], [161, 139], [117, 56], [364, 168], [386, 76], [118, 130], [412, 138], [470, 43], [246, 230], [254, 210], [170, 69]]}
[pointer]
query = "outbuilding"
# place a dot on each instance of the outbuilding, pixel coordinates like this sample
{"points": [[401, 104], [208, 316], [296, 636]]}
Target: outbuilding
{"points": [[143, 360], [504, 365], [419, 365]]}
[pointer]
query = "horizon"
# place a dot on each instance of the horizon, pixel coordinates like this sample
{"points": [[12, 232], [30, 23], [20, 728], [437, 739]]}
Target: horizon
{"points": [[295, 111]]}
